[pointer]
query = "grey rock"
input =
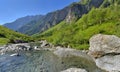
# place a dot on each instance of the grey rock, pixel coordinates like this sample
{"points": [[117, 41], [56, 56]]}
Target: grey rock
{"points": [[67, 52], [44, 43], [109, 63], [15, 48], [105, 50], [74, 70], [104, 43]]}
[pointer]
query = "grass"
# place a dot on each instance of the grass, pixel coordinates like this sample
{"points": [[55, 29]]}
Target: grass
{"points": [[9, 36], [104, 20], [77, 34], [3, 41]]}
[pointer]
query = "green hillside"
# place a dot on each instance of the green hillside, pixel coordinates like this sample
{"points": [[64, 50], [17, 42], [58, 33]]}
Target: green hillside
{"points": [[9, 36], [77, 35]]}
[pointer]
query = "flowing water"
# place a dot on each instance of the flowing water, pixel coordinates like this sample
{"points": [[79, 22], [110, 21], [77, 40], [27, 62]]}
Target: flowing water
{"points": [[43, 61]]}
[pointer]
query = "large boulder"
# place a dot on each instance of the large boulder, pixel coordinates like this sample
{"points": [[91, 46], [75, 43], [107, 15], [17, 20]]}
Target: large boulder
{"points": [[102, 44], [105, 50]]}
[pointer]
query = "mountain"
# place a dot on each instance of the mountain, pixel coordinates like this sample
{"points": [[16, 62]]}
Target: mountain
{"points": [[10, 36], [21, 21], [104, 20], [50, 20], [69, 13]]}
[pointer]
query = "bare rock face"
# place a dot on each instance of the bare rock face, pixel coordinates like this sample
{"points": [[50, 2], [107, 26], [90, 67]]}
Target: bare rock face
{"points": [[105, 49], [74, 70]]}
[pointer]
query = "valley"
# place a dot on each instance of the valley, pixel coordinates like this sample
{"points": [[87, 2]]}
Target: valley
{"points": [[83, 36]]}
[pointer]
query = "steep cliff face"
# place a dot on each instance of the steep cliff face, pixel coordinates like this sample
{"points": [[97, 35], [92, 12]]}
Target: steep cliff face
{"points": [[69, 14], [76, 10]]}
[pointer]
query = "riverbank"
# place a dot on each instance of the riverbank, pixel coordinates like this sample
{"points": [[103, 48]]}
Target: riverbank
{"points": [[67, 57], [104, 52]]}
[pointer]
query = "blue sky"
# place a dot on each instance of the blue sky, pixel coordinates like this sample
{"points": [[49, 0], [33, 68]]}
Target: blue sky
{"points": [[10, 10]]}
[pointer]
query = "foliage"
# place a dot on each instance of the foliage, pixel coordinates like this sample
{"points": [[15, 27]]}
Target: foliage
{"points": [[8, 36], [77, 34], [84, 1]]}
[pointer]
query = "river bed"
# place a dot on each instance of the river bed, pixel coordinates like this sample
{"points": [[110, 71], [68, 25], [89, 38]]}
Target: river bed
{"points": [[43, 61]]}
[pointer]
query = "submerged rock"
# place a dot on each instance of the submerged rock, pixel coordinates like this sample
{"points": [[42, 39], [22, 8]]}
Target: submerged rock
{"points": [[67, 52], [74, 70], [105, 50], [15, 54]]}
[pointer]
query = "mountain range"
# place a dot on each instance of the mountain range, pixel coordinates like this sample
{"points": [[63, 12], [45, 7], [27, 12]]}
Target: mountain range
{"points": [[37, 24], [102, 20], [21, 22], [74, 24]]}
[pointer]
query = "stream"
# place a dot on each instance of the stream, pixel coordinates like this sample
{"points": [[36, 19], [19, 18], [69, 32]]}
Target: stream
{"points": [[43, 61]]}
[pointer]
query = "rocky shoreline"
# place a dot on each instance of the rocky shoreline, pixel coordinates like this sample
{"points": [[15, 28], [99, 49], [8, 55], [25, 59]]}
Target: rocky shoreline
{"points": [[104, 51], [34, 46]]}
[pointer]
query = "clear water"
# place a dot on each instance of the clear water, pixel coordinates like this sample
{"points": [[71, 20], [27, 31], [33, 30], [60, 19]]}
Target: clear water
{"points": [[43, 61]]}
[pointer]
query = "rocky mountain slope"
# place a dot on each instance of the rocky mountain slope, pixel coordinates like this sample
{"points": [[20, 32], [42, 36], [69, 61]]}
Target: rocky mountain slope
{"points": [[22, 21], [54, 18], [104, 19], [69, 13], [73, 25]]}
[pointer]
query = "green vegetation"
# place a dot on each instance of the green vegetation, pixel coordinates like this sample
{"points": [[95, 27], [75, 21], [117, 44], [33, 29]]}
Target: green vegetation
{"points": [[9, 36], [85, 1], [107, 3], [77, 34]]}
